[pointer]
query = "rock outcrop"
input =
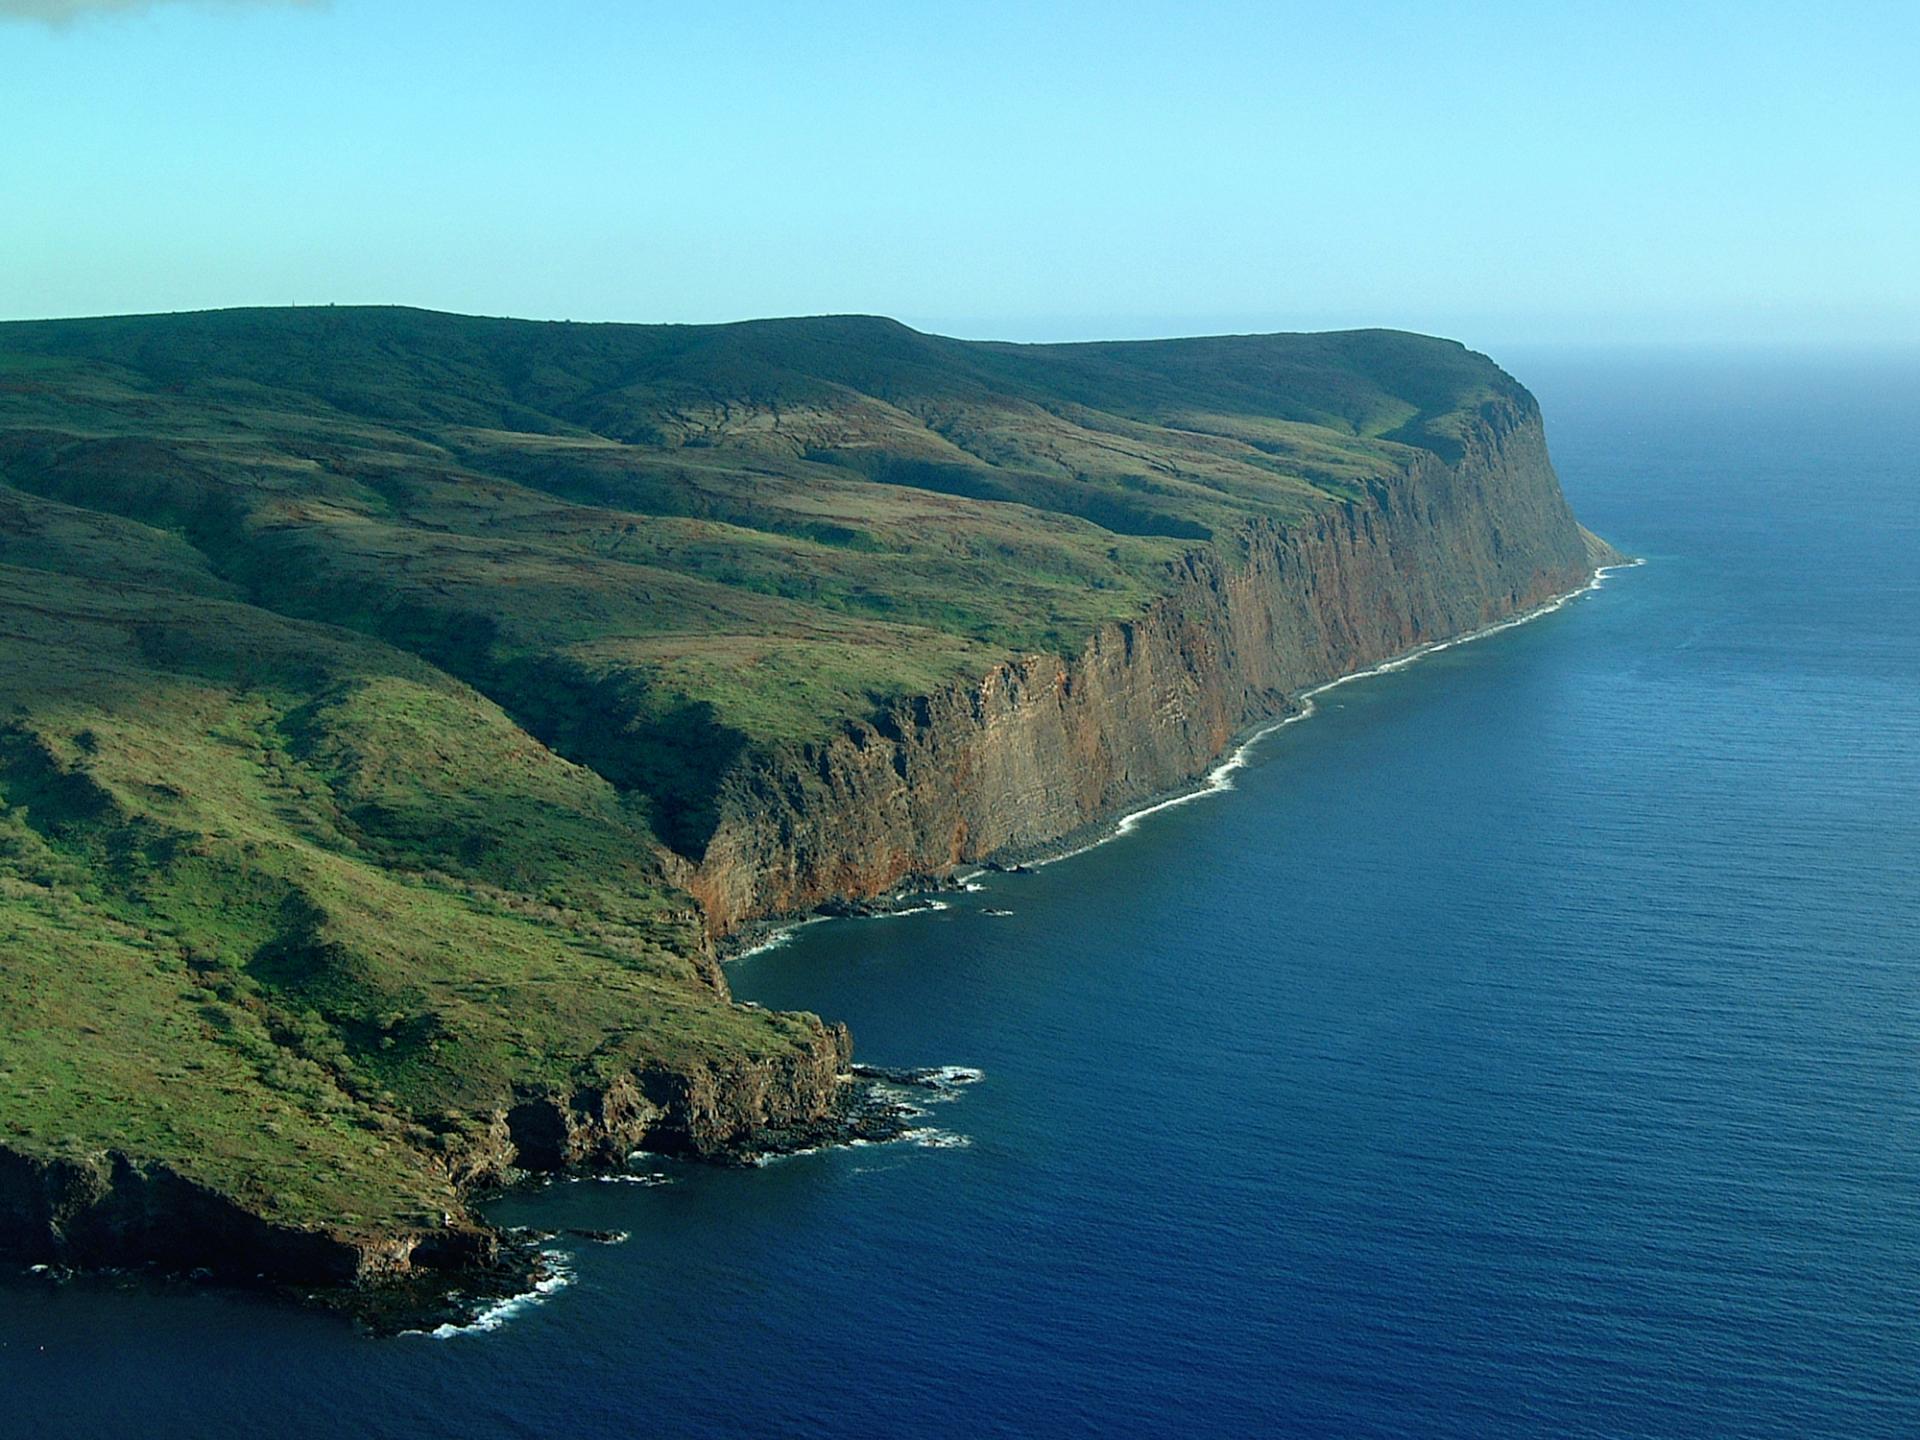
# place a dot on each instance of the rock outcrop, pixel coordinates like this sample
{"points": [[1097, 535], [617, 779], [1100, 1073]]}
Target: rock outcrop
{"points": [[111, 1210], [722, 1111]]}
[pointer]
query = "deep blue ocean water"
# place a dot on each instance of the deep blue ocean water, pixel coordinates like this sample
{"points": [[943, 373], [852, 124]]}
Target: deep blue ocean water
{"points": [[1528, 1045]]}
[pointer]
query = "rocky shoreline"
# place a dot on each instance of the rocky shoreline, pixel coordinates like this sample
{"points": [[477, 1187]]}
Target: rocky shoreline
{"points": [[156, 1229]]}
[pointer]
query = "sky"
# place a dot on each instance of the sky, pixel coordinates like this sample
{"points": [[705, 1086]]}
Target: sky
{"points": [[1537, 173]]}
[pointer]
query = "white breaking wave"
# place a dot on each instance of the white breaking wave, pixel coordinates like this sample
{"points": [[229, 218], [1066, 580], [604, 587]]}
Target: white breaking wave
{"points": [[899, 1098], [627, 1178], [944, 1082], [956, 1075], [931, 1139], [785, 933], [775, 1157], [775, 940], [924, 907], [559, 1275], [1220, 778]]}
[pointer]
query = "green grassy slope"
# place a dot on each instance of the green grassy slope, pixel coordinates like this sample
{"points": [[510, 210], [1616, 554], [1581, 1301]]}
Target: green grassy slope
{"points": [[274, 894], [355, 665]]}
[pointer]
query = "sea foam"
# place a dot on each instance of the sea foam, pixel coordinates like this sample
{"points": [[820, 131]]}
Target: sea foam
{"points": [[559, 1275]]}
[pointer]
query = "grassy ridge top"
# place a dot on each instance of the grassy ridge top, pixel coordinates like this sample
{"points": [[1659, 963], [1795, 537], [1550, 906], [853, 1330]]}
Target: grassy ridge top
{"points": [[402, 364], [355, 664], [496, 491]]}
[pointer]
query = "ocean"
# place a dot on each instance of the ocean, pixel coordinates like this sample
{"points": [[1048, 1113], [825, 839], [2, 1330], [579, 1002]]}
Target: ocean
{"points": [[1528, 1044]]}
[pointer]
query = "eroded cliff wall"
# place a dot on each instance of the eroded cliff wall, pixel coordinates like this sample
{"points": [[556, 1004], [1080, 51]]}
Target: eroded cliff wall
{"points": [[1045, 745]]}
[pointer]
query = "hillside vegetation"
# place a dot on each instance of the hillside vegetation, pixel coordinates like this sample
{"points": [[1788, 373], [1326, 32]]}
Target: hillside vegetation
{"points": [[364, 673]]}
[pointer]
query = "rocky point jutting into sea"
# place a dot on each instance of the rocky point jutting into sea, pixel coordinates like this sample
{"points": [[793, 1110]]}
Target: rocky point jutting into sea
{"points": [[447, 690]]}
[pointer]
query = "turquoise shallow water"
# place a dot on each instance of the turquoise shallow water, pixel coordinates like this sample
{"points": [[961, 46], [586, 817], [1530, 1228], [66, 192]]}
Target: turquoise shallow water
{"points": [[1527, 1045]]}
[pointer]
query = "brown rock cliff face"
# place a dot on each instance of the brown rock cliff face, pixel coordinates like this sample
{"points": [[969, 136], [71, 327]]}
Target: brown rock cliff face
{"points": [[1044, 745]]}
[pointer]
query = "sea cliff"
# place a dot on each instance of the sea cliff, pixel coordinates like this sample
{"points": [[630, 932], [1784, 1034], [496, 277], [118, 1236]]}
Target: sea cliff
{"points": [[1042, 746]]}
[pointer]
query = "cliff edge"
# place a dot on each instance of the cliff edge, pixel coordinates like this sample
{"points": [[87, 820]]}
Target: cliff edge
{"points": [[1041, 746]]}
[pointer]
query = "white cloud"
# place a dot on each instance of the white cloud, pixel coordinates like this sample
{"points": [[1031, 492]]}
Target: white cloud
{"points": [[61, 12]]}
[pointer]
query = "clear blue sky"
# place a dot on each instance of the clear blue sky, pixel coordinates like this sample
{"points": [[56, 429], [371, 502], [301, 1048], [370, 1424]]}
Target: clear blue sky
{"points": [[1506, 173]]}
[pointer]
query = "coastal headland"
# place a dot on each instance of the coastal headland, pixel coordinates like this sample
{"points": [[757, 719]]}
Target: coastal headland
{"points": [[398, 712]]}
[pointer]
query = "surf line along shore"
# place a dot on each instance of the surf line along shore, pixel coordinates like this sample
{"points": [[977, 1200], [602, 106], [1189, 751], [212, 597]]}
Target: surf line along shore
{"points": [[917, 899], [1220, 778]]}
